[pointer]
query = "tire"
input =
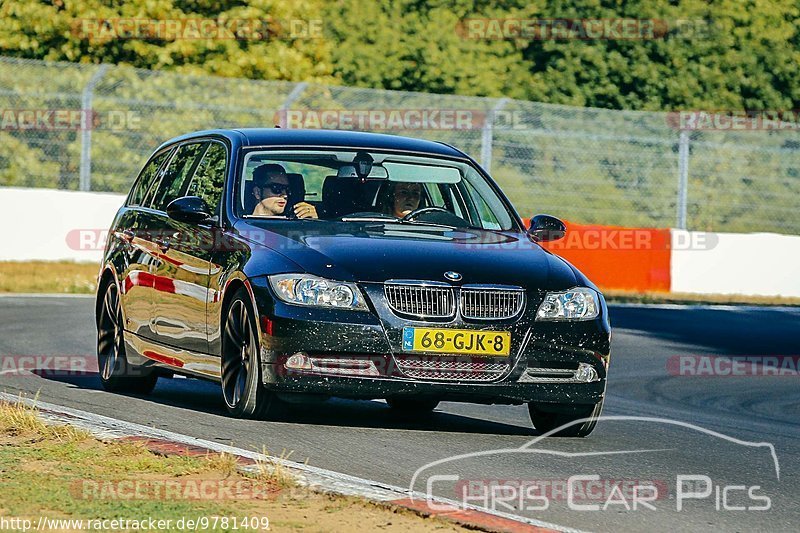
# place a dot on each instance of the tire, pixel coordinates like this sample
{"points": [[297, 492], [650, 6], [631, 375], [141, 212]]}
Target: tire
{"points": [[545, 420], [116, 374], [412, 406], [242, 390]]}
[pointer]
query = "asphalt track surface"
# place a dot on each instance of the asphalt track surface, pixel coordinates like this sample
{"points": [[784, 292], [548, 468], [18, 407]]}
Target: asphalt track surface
{"points": [[672, 425]]}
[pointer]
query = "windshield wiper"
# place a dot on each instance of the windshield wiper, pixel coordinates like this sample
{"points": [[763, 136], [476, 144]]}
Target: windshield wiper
{"points": [[424, 223]]}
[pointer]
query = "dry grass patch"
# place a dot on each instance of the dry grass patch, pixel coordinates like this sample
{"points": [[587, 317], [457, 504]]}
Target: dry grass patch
{"points": [[613, 296], [48, 277]]}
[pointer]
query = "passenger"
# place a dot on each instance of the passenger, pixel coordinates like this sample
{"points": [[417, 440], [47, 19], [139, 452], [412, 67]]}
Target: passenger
{"points": [[271, 190], [400, 199]]}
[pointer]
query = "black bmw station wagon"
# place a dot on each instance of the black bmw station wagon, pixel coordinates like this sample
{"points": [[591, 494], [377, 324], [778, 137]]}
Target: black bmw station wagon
{"points": [[296, 264]]}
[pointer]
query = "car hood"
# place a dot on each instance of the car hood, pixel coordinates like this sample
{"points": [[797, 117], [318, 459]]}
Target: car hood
{"points": [[376, 252]]}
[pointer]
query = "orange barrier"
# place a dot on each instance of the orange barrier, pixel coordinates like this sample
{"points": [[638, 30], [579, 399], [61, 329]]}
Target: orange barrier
{"points": [[629, 259]]}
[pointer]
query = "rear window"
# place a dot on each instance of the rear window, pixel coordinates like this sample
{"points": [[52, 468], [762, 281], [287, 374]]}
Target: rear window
{"points": [[209, 178], [180, 167], [146, 178]]}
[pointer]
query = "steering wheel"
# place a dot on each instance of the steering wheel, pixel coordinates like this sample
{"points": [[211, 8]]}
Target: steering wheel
{"points": [[422, 210]]}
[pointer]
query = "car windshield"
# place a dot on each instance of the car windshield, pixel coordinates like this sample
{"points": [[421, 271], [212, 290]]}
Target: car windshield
{"points": [[356, 185]]}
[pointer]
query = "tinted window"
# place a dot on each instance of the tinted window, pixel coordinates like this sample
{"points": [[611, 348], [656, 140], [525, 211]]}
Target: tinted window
{"points": [[209, 177], [180, 167], [146, 177]]}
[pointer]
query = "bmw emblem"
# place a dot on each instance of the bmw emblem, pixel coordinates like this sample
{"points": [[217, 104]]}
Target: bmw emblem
{"points": [[452, 276]]}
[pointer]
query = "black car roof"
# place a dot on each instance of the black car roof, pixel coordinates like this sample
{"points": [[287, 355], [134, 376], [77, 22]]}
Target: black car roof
{"points": [[338, 138]]}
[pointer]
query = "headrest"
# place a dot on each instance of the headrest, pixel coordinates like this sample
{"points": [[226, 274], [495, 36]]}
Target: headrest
{"points": [[347, 171]]}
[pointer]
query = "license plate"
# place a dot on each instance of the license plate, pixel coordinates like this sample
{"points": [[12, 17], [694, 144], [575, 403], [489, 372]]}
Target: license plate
{"points": [[457, 341]]}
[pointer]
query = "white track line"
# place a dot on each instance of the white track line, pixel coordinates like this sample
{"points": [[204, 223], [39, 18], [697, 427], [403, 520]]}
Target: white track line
{"points": [[310, 476]]}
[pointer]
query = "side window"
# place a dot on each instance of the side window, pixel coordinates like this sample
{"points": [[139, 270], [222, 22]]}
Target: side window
{"points": [[209, 177], [146, 177], [180, 167], [487, 218], [435, 194]]}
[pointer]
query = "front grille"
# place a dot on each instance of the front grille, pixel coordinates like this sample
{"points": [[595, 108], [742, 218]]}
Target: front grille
{"points": [[438, 300], [421, 300], [491, 303], [451, 369]]}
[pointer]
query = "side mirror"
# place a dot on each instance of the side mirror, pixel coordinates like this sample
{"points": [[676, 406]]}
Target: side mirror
{"points": [[546, 228], [191, 209]]}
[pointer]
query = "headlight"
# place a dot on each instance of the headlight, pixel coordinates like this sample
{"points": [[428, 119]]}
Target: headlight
{"points": [[305, 289], [580, 303]]}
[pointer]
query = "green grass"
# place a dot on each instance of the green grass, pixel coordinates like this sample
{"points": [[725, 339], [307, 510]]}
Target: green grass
{"points": [[55, 472]]}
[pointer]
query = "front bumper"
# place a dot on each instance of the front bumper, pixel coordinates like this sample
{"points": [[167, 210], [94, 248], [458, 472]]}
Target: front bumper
{"points": [[374, 338], [503, 392]]}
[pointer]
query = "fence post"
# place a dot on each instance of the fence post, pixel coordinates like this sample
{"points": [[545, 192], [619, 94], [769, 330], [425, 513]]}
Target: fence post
{"points": [[293, 96], [487, 135], [87, 123], [683, 177]]}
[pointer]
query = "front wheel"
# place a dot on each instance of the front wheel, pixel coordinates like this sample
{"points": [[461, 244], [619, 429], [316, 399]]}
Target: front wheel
{"points": [[116, 374], [547, 418], [242, 390]]}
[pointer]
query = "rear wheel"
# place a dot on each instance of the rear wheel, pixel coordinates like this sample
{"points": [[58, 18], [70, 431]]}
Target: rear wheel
{"points": [[242, 389], [547, 418], [410, 406], [116, 374]]}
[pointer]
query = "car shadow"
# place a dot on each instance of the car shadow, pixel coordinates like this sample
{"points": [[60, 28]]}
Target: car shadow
{"points": [[205, 397]]}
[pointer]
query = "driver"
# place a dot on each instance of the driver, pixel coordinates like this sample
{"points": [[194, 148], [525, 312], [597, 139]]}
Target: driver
{"points": [[401, 198], [271, 190]]}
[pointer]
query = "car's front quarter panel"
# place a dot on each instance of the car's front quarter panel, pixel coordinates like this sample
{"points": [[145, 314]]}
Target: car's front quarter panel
{"points": [[237, 261]]}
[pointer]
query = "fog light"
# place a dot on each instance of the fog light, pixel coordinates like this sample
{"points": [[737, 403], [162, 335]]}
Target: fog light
{"points": [[298, 361], [586, 373]]}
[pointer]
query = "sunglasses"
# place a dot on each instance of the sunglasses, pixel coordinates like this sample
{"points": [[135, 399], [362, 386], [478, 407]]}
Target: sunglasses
{"points": [[277, 188]]}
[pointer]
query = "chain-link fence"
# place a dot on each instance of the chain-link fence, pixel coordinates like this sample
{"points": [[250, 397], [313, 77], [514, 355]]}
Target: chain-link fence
{"points": [[91, 127]]}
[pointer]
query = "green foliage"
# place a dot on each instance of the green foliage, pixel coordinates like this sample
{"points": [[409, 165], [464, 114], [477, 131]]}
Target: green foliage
{"points": [[727, 54], [69, 30], [23, 165]]}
